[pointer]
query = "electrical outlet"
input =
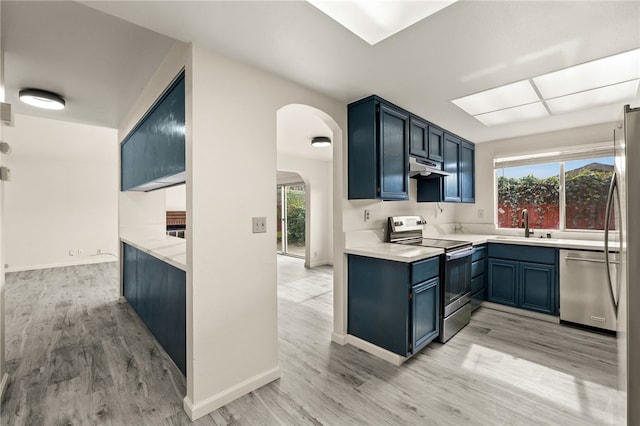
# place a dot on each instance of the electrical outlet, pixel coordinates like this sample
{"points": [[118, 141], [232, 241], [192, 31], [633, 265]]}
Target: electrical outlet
{"points": [[72, 252], [435, 213], [98, 251], [259, 225], [367, 216], [480, 213], [80, 252]]}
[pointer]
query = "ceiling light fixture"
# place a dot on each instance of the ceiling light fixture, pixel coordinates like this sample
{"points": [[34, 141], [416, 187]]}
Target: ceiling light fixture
{"points": [[41, 99], [320, 142]]}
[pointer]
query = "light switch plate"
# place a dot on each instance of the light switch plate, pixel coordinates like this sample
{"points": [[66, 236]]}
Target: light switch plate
{"points": [[259, 225]]}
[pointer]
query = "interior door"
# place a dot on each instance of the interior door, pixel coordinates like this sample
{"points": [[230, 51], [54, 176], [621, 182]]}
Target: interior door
{"points": [[291, 213]]}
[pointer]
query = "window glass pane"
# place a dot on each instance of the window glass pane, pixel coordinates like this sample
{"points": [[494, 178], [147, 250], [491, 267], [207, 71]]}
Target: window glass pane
{"points": [[532, 187], [587, 185]]}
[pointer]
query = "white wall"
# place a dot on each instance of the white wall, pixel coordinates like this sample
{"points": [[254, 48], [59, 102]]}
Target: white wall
{"points": [[4, 377], [318, 179], [231, 173], [487, 151], [176, 198], [62, 195]]}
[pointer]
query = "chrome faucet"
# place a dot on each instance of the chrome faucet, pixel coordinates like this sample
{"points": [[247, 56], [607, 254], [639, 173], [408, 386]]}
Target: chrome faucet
{"points": [[525, 223]]}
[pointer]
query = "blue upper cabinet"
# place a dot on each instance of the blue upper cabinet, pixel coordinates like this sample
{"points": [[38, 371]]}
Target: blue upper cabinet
{"points": [[419, 134], [378, 150], [467, 172], [452, 165], [458, 158], [153, 154], [436, 143]]}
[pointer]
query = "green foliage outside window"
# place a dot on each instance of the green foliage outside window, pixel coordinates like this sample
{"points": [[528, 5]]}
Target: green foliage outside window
{"points": [[295, 216]]}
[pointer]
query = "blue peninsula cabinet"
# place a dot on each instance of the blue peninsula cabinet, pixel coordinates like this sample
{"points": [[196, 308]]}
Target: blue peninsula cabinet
{"points": [[378, 150], [153, 153], [523, 277], [394, 305], [157, 292]]}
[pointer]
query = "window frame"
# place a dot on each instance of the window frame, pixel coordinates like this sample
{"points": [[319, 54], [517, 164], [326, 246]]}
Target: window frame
{"points": [[594, 151]]}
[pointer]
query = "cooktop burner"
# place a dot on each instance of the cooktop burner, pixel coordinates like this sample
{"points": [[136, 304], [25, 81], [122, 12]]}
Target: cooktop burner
{"points": [[447, 245]]}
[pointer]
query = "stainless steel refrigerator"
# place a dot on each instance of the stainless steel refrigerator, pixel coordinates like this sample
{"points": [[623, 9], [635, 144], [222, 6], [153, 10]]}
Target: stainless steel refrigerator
{"points": [[624, 203]]}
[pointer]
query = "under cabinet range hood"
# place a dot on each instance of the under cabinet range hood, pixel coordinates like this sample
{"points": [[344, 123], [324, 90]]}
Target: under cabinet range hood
{"points": [[420, 169]]}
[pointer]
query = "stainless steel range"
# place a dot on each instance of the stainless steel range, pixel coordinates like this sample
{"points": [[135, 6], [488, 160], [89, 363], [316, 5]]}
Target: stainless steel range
{"points": [[455, 271]]}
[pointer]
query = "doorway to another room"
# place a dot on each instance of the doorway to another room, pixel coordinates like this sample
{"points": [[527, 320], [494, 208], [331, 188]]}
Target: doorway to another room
{"points": [[291, 218]]}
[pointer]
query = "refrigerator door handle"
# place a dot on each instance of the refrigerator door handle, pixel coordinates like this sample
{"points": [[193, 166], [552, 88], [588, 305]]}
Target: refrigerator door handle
{"points": [[610, 196]]}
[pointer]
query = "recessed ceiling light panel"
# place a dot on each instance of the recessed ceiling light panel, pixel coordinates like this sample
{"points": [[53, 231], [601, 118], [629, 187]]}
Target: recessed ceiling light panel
{"points": [[375, 20], [510, 95], [41, 99], [510, 115], [601, 72], [621, 92]]}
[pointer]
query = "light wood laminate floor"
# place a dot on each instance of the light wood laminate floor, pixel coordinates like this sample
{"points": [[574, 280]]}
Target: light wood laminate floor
{"points": [[77, 357]]}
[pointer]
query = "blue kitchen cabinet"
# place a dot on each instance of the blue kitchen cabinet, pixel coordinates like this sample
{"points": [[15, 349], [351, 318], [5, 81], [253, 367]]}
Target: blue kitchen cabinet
{"points": [[503, 282], [436, 143], [378, 150], [478, 276], [153, 153], [394, 305], [419, 137], [467, 172], [524, 277], [537, 288], [157, 293], [458, 160]]}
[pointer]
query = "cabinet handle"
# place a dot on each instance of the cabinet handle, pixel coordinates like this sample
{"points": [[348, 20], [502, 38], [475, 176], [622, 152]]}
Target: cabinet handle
{"points": [[580, 259]]}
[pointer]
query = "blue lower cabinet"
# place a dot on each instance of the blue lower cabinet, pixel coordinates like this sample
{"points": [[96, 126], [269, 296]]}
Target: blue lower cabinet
{"points": [[385, 309], [425, 318], [503, 282], [157, 292], [537, 285], [526, 279]]}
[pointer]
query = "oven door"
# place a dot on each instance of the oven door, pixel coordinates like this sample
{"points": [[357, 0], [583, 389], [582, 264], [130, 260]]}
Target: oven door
{"points": [[457, 279]]}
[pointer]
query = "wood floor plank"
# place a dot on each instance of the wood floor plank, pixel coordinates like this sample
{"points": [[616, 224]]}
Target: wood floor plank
{"points": [[76, 356]]}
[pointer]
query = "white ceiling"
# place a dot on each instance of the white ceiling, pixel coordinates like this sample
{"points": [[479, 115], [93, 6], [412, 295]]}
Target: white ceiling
{"points": [[465, 48], [98, 63], [296, 127]]}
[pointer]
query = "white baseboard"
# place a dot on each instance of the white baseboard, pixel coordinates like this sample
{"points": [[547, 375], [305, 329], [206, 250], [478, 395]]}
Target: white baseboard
{"points": [[522, 312], [340, 339], [320, 263], [83, 261], [384, 354], [202, 408], [3, 385]]}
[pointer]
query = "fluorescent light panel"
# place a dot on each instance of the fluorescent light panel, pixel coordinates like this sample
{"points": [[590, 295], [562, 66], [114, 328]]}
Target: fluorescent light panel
{"points": [[375, 20], [592, 98], [510, 95], [601, 72], [510, 115]]}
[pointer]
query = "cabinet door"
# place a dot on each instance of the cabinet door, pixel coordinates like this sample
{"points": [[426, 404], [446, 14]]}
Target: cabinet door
{"points": [[419, 135], [425, 307], [393, 170], [467, 172], [436, 143], [503, 282], [130, 275], [537, 288], [451, 165], [175, 321]]}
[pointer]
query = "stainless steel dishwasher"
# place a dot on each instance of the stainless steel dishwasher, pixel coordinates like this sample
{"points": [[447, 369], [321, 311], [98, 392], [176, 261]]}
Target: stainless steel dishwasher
{"points": [[584, 292]]}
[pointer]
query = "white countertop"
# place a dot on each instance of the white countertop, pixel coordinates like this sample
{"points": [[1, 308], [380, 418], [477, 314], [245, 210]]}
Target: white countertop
{"points": [[171, 250], [403, 253], [397, 252]]}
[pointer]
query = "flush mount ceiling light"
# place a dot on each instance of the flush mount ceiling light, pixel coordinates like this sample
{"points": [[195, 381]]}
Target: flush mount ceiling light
{"points": [[320, 142], [41, 99], [375, 20], [604, 81]]}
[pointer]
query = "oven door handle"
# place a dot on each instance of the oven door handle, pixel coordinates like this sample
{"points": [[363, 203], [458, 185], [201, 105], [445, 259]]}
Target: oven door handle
{"points": [[459, 254]]}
